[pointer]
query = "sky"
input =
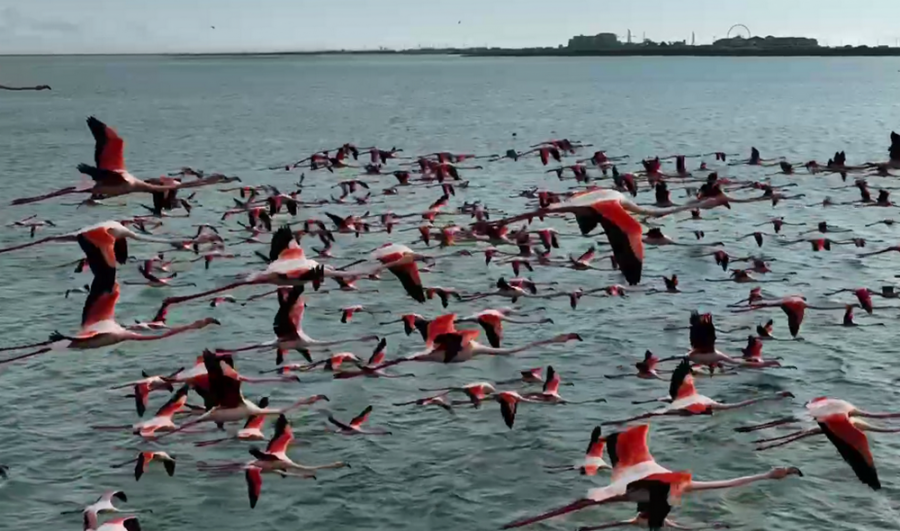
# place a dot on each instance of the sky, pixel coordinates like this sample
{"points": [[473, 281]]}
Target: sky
{"points": [[198, 26]]}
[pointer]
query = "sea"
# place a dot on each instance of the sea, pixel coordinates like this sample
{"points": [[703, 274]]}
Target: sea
{"points": [[240, 115]]}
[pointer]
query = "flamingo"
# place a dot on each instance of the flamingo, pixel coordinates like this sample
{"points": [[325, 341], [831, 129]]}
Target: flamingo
{"points": [[288, 328], [550, 393], [145, 386], [447, 345], [143, 460], [509, 404], [401, 261], [637, 477], [98, 323], [492, 323], [355, 425], [476, 392], [646, 369], [794, 306], [273, 460], [108, 238], [612, 211], [347, 312], [104, 505], [837, 420], [252, 430], [288, 266], [161, 421], [686, 401], [372, 367], [593, 458], [110, 177], [154, 281], [703, 343], [230, 404]]}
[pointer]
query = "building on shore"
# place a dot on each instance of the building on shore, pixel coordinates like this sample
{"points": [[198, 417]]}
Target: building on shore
{"points": [[600, 41], [766, 42]]}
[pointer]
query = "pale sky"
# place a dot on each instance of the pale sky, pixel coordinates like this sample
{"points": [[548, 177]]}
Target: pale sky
{"points": [[148, 26]]}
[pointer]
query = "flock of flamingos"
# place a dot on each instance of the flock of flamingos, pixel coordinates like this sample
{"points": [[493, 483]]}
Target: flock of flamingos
{"points": [[602, 201]]}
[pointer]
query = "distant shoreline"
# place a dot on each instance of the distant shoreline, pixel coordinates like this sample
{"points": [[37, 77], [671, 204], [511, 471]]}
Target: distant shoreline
{"points": [[624, 51]]}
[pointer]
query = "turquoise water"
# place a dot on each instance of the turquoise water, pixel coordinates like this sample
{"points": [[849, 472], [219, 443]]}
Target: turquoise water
{"points": [[237, 115]]}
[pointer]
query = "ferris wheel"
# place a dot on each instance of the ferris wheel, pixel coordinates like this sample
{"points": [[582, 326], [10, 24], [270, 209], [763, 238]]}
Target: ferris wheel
{"points": [[739, 30]]}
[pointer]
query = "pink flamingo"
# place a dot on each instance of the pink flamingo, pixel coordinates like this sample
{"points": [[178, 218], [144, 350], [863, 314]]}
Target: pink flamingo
{"points": [[110, 176], [637, 477]]}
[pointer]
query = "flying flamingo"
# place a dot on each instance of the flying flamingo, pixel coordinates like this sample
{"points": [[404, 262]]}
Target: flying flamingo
{"points": [[752, 356], [686, 401], [110, 176], [612, 211], [273, 460], [646, 369], [476, 392], [154, 281], [143, 460], [837, 420], [492, 323], [509, 404], [347, 312], [103, 505], [637, 477], [231, 406], [108, 238], [550, 393], [288, 266], [162, 420], [703, 343], [288, 328], [355, 425], [145, 386], [794, 306], [252, 430], [373, 367], [98, 324], [593, 458], [447, 345], [530, 376]]}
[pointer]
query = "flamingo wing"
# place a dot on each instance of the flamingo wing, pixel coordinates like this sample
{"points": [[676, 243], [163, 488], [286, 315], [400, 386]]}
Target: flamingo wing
{"points": [[175, 402], [290, 312], [655, 501], [551, 386], [253, 475], [256, 422], [438, 326], [281, 240], [378, 354], [853, 446], [508, 408], [361, 418], [224, 389], [682, 383], [625, 237], [628, 448], [493, 329], [795, 318], [109, 148], [340, 424], [283, 437], [408, 274], [99, 247], [587, 256], [101, 302]]}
